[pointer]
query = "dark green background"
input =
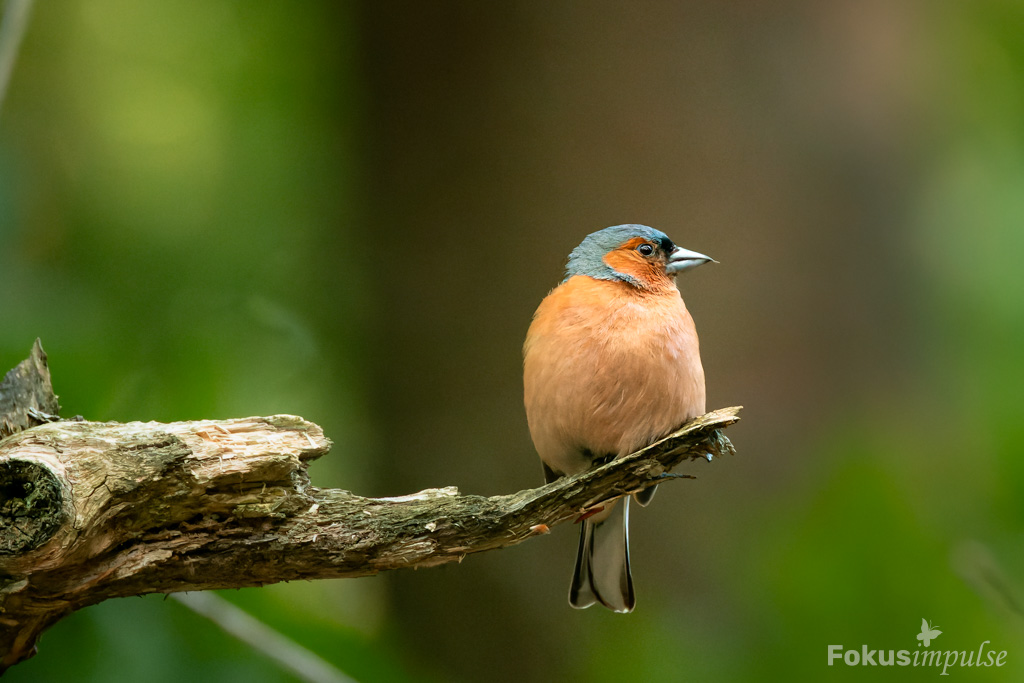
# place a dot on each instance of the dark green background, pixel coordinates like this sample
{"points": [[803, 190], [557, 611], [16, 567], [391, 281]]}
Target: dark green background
{"points": [[348, 211]]}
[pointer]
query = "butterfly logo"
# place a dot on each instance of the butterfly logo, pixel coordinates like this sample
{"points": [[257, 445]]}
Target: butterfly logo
{"points": [[928, 633]]}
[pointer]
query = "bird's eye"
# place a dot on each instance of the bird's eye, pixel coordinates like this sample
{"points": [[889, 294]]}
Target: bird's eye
{"points": [[645, 249]]}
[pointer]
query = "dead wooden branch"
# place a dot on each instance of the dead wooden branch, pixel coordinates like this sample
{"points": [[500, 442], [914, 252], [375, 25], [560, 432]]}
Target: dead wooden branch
{"points": [[90, 511]]}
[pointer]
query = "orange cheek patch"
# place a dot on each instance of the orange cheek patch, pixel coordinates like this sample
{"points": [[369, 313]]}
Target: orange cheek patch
{"points": [[624, 261], [628, 261]]}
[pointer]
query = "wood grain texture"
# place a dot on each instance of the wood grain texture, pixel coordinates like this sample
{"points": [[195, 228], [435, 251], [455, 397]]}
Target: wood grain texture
{"points": [[26, 395], [100, 510]]}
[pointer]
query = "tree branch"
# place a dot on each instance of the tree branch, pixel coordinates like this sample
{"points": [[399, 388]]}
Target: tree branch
{"points": [[90, 511], [26, 395]]}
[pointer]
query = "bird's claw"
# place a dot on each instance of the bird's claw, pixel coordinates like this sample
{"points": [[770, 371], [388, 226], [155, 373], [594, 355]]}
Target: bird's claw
{"points": [[590, 513], [672, 475]]}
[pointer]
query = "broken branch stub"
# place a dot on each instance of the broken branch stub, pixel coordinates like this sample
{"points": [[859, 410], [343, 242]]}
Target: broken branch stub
{"points": [[91, 510]]}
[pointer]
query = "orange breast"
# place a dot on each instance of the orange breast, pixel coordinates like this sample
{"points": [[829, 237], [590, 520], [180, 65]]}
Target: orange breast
{"points": [[608, 369]]}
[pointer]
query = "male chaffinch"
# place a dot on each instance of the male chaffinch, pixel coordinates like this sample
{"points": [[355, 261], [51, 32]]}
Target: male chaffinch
{"points": [[611, 364]]}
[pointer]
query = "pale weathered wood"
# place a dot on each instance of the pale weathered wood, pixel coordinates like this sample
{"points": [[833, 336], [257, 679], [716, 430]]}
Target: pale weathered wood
{"points": [[26, 395], [90, 511]]}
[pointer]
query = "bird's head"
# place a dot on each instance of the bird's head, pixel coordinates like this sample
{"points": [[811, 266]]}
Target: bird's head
{"points": [[636, 254]]}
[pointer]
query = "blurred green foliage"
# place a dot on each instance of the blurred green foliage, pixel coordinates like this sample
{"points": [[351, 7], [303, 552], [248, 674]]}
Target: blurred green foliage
{"points": [[212, 208], [176, 184]]}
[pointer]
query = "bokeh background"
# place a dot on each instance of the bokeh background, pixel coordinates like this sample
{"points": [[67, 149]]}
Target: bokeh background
{"points": [[349, 210]]}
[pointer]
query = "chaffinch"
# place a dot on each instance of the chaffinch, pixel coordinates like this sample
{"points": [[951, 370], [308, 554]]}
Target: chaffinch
{"points": [[611, 364]]}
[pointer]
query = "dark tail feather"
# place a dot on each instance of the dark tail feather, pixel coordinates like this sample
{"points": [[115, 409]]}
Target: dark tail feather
{"points": [[602, 563], [581, 594], [645, 497]]}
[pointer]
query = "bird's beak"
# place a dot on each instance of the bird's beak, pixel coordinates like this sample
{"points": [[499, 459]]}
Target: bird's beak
{"points": [[683, 259]]}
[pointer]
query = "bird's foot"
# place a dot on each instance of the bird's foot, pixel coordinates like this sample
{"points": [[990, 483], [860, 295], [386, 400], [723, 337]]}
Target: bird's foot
{"points": [[672, 475], [590, 513]]}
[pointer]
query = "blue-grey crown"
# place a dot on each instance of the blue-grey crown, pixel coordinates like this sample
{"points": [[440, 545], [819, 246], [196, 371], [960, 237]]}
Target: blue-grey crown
{"points": [[586, 259]]}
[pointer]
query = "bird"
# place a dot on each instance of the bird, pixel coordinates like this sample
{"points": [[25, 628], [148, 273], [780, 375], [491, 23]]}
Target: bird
{"points": [[611, 364]]}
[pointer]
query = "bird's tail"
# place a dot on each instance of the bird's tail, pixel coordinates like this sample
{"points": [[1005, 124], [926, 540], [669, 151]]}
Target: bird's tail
{"points": [[602, 563]]}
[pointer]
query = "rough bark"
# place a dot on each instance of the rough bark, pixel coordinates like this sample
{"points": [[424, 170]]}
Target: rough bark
{"points": [[26, 395], [90, 511]]}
